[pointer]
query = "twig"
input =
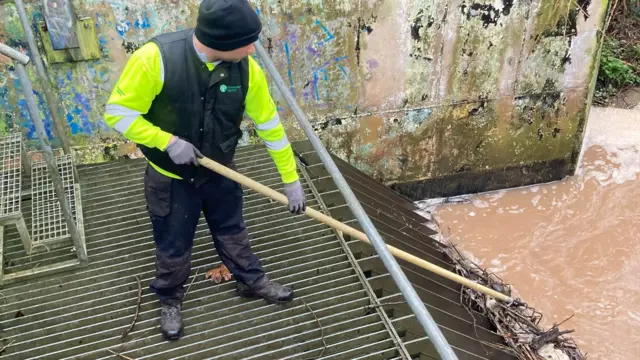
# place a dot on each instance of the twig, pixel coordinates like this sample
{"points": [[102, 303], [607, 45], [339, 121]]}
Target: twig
{"points": [[155, 327], [605, 28], [499, 346], [369, 307], [567, 319], [521, 317], [548, 337], [583, 11], [120, 355], [564, 34], [135, 317], [324, 348], [43, 245], [124, 344], [6, 346], [192, 281], [475, 324]]}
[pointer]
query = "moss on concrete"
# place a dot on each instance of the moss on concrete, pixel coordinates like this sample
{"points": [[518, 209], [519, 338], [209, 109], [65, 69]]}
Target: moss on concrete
{"points": [[470, 87]]}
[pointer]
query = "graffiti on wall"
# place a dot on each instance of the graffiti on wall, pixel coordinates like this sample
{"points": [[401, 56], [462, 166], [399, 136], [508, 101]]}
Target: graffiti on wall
{"points": [[60, 20], [394, 96], [314, 53], [309, 49], [317, 88]]}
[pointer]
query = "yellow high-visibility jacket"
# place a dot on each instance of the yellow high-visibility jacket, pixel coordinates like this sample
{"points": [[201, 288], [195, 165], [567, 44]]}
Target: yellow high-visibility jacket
{"points": [[142, 79]]}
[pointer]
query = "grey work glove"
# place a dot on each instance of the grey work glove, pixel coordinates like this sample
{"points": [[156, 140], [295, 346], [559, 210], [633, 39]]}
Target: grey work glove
{"points": [[296, 198], [182, 152]]}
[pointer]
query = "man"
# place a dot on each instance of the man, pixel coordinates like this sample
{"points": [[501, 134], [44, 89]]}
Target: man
{"points": [[181, 96]]}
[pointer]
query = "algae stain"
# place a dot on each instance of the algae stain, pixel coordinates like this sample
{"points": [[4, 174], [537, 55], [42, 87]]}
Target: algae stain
{"points": [[11, 22]]}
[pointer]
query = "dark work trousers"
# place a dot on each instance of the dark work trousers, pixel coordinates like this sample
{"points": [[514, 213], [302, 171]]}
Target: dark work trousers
{"points": [[174, 207]]}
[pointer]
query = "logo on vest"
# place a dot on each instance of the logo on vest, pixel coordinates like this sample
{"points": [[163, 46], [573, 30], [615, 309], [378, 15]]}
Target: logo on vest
{"points": [[225, 88]]}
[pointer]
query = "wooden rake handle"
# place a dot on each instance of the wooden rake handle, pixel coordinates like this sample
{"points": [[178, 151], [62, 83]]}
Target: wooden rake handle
{"points": [[256, 186]]}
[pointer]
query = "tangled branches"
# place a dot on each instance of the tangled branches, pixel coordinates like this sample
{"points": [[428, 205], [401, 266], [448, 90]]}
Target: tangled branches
{"points": [[519, 326]]}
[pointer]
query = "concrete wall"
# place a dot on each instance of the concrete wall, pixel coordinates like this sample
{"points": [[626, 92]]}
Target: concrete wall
{"points": [[432, 97]]}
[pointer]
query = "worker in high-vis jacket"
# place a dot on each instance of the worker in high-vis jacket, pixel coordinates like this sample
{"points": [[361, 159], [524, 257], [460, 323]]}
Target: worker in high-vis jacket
{"points": [[181, 96]]}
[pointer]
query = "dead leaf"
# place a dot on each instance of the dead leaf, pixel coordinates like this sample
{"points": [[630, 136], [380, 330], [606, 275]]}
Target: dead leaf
{"points": [[219, 273]]}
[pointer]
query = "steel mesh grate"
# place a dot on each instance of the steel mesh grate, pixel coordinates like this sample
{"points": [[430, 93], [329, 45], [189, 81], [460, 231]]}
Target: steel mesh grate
{"points": [[83, 313], [48, 222], [11, 167]]}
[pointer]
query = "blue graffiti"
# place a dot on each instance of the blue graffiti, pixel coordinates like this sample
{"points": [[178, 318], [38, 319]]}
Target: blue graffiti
{"points": [[337, 62], [82, 110], [4, 104], [78, 117], [315, 86], [75, 129], [102, 41], [123, 27], [144, 24], [313, 51], [63, 80], [326, 80], [326, 31], [314, 69], [44, 114], [286, 50], [344, 71]]}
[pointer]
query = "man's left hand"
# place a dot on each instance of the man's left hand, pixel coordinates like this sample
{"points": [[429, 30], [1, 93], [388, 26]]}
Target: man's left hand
{"points": [[295, 195]]}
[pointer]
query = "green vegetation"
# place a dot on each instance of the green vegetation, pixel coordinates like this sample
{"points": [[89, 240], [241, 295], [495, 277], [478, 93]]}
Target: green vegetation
{"points": [[620, 59]]}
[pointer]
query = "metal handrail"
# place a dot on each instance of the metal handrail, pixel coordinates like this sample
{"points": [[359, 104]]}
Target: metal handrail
{"points": [[58, 123], [19, 62], [407, 290]]}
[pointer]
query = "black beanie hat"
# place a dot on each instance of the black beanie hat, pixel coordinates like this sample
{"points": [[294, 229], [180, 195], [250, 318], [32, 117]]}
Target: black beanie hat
{"points": [[227, 25]]}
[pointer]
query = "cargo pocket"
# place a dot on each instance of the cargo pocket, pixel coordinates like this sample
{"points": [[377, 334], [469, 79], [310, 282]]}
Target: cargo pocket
{"points": [[157, 191]]}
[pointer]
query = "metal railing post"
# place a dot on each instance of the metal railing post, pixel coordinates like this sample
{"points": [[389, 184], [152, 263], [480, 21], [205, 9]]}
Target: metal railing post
{"points": [[19, 61], [58, 123], [407, 290]]}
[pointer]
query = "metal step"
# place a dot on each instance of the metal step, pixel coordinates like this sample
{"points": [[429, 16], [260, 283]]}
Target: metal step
{"points": [[13, 162], [47, 221], [11, 174]]}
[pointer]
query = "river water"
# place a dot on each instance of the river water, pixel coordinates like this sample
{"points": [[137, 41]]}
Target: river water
{"points": [[570, 247]]}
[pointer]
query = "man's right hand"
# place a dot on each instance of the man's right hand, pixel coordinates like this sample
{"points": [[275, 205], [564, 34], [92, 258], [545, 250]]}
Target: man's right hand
{"points": [[182, 152]]}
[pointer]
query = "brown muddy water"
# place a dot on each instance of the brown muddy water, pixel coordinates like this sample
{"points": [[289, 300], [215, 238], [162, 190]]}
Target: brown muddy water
{"points": [[570, 247]]}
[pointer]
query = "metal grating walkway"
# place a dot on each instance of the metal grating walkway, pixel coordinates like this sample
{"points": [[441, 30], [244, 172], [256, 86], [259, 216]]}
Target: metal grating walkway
{"points": [[48, 224], [82, 313], [10, 151]]}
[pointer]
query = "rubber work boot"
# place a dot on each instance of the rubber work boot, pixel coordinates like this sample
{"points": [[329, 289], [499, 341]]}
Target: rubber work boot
{"points": [[171, 321], [270, 291]]}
